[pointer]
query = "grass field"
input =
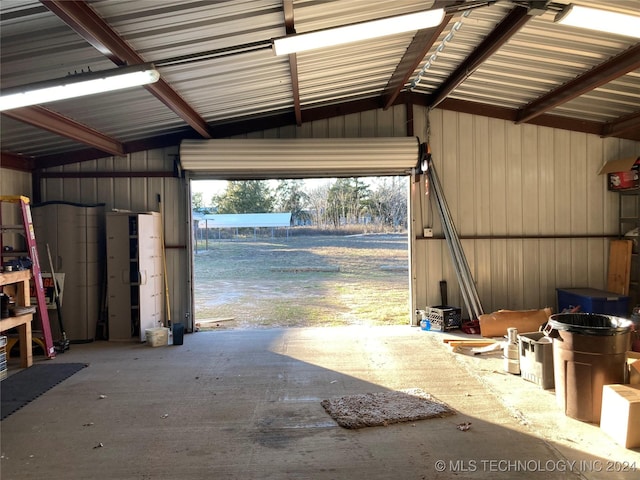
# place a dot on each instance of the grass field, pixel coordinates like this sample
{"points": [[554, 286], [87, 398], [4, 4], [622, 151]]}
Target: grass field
{"points": [[303, 281]]}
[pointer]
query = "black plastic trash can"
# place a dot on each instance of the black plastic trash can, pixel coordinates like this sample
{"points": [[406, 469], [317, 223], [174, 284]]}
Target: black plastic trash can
{"points": [[178, 333], [589, 351]]}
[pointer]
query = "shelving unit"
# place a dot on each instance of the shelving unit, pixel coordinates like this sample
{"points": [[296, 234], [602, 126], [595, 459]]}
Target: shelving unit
{"points": [[135, 274], [629, 219], [19, 282]]}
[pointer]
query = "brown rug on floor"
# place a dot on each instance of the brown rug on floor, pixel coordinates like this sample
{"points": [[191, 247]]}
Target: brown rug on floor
{"points": [[384, 408]]}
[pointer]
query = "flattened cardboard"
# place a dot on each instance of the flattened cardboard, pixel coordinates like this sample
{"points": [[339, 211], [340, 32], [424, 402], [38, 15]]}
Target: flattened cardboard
{"points": [[621, 165], [496, 324], [622, 174]]}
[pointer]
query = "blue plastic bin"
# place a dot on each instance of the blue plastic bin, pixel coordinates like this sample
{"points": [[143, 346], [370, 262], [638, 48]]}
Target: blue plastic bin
{"points": [[592, 300]]}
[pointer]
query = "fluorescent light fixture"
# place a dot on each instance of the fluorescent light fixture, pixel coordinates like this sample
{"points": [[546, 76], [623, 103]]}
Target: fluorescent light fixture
{"points": [[77, 85], [357, 31], [602, 20]]}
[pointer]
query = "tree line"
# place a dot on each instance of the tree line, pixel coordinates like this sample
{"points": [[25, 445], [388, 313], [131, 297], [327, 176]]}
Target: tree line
{"points": [[343, 201]]}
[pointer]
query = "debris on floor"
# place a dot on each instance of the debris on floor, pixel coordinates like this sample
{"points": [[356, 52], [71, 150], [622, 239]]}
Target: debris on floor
{"points": [[472, 346], [463, 427], [212, 323]]}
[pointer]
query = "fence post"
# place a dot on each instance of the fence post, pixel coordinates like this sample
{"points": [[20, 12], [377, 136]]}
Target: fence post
{"points": [[206, 239]]}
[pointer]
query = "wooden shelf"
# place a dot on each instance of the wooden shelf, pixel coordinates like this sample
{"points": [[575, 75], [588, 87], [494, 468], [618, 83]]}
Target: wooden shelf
{"points": [[20, 279], [7, 278], [12, 322]]}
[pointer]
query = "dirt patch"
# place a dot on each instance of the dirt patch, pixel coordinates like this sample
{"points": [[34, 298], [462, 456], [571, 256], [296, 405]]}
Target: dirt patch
{"points": [[286, 282]]}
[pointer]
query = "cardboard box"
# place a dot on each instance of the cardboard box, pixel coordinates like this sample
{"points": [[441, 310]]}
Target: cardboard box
{"points": [[620, 418], [622, 174], [633, 368], [496, 324]]}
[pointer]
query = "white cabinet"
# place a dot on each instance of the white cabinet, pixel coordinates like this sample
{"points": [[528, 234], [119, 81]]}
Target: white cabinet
{"points": [[135, 274], [75, 235]]}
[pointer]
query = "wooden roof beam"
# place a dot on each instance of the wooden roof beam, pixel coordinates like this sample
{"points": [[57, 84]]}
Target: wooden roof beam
{"points": [[79, 16]]}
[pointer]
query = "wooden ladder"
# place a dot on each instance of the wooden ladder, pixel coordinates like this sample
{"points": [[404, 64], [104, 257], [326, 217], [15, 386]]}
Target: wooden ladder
{"points": [[26, 228]]}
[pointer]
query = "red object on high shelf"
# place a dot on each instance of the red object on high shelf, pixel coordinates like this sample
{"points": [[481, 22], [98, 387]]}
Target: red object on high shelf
{"points": [[26, 229], [622, 174]]}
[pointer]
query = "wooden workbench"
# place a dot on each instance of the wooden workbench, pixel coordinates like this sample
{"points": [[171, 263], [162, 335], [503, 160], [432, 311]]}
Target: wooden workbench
{"points": [[18, 282]]}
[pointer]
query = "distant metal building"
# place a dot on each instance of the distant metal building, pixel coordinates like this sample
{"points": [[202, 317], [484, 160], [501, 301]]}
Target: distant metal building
{"points": [[237, 223]]}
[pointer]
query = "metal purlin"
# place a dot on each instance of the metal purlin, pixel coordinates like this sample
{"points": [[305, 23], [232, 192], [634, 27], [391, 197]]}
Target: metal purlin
{"points": [[461, 267]]}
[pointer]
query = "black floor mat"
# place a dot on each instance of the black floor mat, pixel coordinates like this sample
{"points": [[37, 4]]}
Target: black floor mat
{"points": [[23, 387]]}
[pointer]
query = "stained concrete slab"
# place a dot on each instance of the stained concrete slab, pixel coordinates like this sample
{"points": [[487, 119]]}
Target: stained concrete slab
{"points": [[245, 404]]}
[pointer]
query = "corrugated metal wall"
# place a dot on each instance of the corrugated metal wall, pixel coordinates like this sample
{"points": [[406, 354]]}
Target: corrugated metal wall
{"points": [[527, 201], [139, 194], [530, 203], [13, 182]]}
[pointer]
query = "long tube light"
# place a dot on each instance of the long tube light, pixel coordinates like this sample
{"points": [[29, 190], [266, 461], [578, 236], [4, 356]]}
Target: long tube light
{"points": [[357, 31], [602, 20], [78, 85]]}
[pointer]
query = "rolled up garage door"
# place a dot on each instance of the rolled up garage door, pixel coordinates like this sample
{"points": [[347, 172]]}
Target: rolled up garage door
{"points": [[299, 157]]}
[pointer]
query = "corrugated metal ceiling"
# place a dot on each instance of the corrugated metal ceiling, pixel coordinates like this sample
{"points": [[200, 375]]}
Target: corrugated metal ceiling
{"points": [[241, 92]]}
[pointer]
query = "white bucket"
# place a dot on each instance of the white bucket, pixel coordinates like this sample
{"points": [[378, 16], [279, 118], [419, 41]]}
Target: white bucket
{"points": [[157, 337]]}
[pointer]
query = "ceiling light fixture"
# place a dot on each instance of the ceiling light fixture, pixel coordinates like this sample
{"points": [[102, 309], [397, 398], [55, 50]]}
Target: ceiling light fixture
{"points": [[602, 20], [78, 85], [357, 31]]}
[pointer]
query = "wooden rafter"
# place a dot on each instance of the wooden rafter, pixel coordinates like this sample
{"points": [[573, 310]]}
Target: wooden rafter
{"points": [[79, 16]]}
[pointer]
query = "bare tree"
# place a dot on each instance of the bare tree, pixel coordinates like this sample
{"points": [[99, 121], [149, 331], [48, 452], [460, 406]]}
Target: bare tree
{"points": [[388, 202], [318, 200]]}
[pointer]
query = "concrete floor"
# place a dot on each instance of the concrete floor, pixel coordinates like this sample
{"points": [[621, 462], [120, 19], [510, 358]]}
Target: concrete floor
{"points": [[246, 405]]}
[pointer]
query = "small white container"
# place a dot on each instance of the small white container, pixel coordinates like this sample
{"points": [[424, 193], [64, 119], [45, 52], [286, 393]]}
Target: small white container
{"points": [[157, 337]]}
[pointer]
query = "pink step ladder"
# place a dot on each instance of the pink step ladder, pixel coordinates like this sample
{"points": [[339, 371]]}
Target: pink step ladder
{"points": [[27, 230]]}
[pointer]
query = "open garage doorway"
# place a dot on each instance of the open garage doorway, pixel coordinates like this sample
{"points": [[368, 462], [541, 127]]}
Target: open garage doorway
{"points": [[339, 257]]}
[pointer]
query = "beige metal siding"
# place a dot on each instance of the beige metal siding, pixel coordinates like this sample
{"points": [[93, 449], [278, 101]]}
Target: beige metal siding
{"points": [[500, 180], [139, 194], [136, 194], [517, 191], [13, 182]]}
